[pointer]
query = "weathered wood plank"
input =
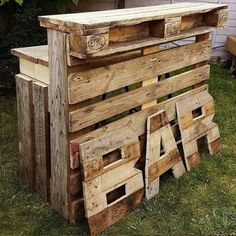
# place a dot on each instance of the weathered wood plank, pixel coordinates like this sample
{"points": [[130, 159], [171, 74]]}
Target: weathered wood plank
{"points": [[35, 54], [109, 78], [58, 107], [93, 167], [106, 143], [42, 152], [94, 113], [26, 130], [95, 196]]}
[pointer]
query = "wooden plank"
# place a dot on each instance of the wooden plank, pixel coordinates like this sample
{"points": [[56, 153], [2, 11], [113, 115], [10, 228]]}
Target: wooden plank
{"points": [[135, 122], [159, 133], [94, 113], [107, 143], [58, 107], [26, 130], [96, 198], [93, 167], [42, 152], [201, 38], [147, 51], [192, 128], [109, 78], [113, 213]]}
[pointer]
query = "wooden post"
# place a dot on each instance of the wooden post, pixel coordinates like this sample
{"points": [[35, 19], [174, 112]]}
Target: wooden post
{"points": [[58, 107]]}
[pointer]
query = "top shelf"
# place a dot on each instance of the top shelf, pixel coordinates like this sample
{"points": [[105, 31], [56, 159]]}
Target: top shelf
{"points": [[103, 33], [82, 22]]}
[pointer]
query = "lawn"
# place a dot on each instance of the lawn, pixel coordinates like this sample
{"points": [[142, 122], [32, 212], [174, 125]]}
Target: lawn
{"points": [[202, 202]]}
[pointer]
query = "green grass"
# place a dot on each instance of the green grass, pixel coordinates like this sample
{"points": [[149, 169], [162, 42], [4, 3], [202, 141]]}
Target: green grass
{"points": [[202, 202]]}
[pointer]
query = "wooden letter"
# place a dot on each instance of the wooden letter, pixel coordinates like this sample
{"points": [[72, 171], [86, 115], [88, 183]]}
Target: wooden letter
{"points": [[161, 154]]}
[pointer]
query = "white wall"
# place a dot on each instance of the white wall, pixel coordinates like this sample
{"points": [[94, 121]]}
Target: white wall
{"points": [[219, 39]]}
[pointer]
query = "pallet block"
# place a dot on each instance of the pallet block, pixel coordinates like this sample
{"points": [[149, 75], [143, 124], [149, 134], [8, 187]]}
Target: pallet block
{"points": [[195, 115], [161, 153]]}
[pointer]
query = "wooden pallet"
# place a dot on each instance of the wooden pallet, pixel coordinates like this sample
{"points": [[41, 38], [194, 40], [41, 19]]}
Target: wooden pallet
{"points": [[99, 107], [108, 32]]}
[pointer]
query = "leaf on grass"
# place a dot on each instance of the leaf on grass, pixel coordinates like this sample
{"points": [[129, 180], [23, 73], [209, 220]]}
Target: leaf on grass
{"points": [[20, 2], [76, 2], [3, 2]]}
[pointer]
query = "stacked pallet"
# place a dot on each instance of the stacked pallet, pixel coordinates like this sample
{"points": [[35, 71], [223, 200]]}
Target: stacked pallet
{"points": [[115, 124]]}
